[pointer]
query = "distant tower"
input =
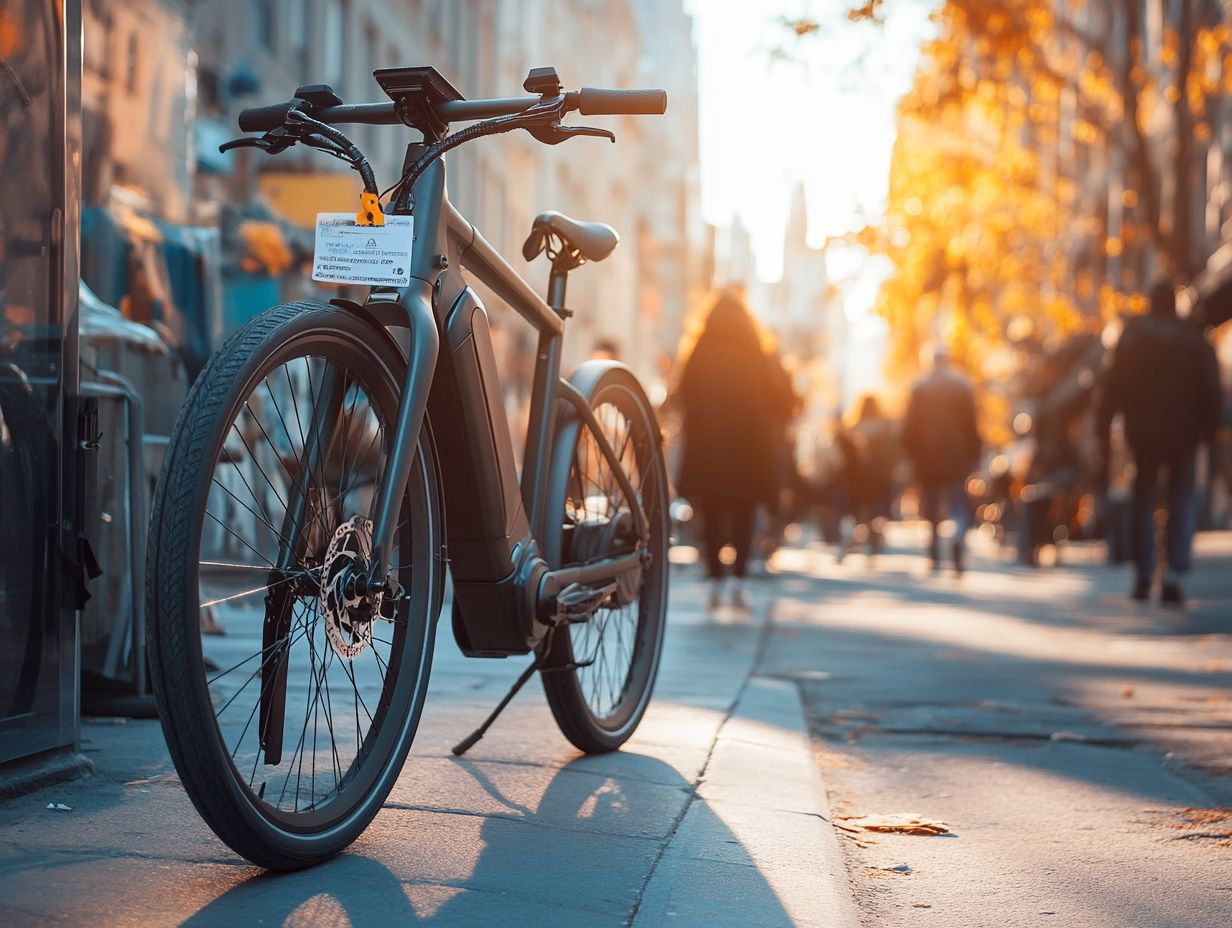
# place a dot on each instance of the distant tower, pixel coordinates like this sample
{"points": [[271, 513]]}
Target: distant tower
{"points": [[738, 264]]}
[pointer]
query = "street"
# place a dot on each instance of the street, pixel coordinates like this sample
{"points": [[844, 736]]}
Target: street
{"points": [[1060, 733]]}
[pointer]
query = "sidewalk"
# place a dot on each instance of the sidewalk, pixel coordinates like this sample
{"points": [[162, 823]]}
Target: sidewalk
{"points": [[714, 814]]}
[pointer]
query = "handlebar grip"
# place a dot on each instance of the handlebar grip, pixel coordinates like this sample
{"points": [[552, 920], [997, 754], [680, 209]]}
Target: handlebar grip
{"points": [[593, 101], [264, 118]]}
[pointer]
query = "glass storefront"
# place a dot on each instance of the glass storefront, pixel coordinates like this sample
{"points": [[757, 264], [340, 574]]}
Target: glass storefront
{"points": [[39, 423]]}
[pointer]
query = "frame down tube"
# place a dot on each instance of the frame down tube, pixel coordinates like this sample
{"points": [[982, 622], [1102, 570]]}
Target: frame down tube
{"points": [[479, 257]]}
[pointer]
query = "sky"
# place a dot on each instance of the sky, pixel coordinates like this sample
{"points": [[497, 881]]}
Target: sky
{"points": [[823, 116]]}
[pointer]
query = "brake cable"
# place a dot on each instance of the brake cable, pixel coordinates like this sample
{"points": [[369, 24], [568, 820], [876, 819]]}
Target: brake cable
{"points": [[545, 111], [348, 151]]}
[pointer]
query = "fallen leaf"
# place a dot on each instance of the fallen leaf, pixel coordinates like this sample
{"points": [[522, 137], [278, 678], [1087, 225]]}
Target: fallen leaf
{"points": [[909, 823]]}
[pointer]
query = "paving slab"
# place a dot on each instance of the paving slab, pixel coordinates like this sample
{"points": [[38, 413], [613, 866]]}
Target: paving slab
{"points": [[758, 832]]}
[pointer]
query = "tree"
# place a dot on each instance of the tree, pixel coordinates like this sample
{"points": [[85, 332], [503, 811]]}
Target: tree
{"points": [[1046, 165], [1152, 103]]}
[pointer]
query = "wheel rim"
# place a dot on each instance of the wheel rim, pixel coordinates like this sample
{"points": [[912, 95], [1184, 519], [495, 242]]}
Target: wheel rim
{"points": [[343, 718], [615, 653]]}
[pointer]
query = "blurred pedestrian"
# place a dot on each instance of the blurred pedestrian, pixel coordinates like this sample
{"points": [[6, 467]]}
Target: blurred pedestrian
{"points": [[870, 454], [1164, 379], [941, 438], [830, 478], [783, 406], [732, 406]]}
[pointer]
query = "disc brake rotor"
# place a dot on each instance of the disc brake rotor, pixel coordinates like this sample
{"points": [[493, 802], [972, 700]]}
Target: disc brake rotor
{"points": [[348, 616]]}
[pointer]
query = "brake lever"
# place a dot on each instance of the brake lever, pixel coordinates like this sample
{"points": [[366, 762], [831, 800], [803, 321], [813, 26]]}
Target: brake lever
{"points": [[246, 142], [270, 143], [555, 133]]}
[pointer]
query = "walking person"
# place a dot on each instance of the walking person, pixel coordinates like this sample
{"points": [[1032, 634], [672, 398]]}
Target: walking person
{"points": [[782, 408], [871, 451], [1164, 379], [943, 442], [732, 413]]}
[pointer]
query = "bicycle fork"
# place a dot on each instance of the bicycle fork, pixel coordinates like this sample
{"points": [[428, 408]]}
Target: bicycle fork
{"points": [[391, 488]]}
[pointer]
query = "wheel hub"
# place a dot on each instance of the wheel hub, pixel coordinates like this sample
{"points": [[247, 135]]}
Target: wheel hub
{"points": [[598, 538], [348, 614]]}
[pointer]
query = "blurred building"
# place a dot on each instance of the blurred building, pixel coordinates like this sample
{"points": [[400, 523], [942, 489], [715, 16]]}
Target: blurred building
{"points": [[137, 101], [806, 308], [677, 244], [1180, 181], [231, 54]]}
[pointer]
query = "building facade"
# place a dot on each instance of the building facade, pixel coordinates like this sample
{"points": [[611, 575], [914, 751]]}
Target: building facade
{"points": [[241, 53]]}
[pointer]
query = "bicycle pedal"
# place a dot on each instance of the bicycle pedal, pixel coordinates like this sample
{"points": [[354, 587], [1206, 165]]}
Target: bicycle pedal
{"points": [[578, 602]]}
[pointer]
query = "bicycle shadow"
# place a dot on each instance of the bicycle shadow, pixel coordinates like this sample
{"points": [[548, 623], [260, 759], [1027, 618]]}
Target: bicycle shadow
{"points": [[582, 854]]}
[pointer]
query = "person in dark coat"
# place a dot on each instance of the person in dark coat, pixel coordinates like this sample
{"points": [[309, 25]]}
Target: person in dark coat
{"points": [[733, 408], [1165, 380], [941, 438], [870, 453]]}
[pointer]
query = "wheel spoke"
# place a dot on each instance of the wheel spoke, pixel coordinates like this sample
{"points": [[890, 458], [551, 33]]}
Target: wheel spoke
{"points": [[230, 531]]}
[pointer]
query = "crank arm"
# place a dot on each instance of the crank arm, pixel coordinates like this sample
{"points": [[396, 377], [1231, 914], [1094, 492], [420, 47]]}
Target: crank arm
{"points": [[580, 582]]}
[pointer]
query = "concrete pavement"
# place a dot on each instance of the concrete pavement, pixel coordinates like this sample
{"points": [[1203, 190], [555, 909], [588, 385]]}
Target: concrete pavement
{"points": [[713, 815], [1078, 745]]}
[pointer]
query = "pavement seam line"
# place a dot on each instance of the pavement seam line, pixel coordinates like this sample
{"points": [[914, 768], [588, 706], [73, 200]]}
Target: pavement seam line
{"points": [[692, 796]]}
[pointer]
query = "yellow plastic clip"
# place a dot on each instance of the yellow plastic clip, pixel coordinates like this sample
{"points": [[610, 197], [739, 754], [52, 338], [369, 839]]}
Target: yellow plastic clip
{"points": [[369, 210]]}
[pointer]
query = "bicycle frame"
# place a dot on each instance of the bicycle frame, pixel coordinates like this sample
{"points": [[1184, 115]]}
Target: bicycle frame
{"points": [[503, 588]]}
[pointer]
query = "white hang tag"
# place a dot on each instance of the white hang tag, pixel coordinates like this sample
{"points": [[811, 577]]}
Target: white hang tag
{"points": [[371, 255]]}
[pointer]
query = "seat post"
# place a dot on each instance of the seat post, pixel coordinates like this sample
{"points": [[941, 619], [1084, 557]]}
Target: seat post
{"points": [[556, 286]]}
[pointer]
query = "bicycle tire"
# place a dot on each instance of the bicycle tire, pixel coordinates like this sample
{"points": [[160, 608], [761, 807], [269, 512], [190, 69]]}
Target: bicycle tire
{"points": [[277, 833], [598, 699]]}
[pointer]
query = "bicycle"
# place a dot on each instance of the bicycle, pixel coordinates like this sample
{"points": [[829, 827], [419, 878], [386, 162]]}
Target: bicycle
{"points": [[364, 449]]}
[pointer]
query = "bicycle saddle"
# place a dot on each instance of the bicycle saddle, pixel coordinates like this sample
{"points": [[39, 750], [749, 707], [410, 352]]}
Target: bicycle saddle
{"points": [[593, 241]]}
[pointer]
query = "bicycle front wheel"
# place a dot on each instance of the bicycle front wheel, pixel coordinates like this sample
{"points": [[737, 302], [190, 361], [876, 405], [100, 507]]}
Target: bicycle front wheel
{"points": [[600, 673], [287, 705]]}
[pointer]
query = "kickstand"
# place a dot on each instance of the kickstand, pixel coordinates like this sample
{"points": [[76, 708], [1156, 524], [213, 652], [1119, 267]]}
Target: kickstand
{"points": [[470, 740]]}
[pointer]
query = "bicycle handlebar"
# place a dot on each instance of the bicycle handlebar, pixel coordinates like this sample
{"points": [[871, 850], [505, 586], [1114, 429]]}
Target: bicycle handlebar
{"points": [[589, 101], [594, 101], [264, 118]]}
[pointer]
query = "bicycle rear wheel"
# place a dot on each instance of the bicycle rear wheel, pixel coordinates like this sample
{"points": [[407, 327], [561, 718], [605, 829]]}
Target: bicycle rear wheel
{"points": [[289, 709], [600, 673]]}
